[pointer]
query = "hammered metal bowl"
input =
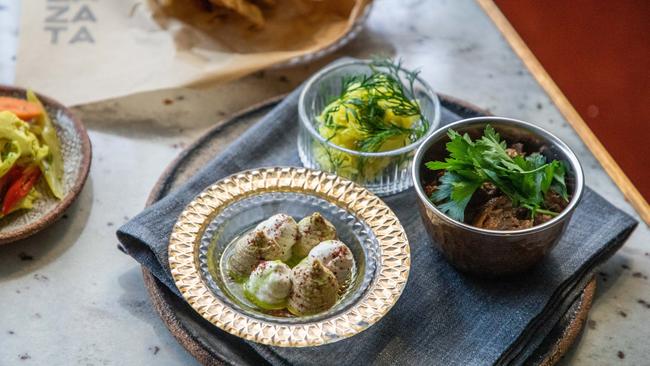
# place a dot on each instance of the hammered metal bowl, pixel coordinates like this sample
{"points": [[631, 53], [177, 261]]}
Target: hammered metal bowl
{"points": [[493, 253], [236, 203], [76, 149]]}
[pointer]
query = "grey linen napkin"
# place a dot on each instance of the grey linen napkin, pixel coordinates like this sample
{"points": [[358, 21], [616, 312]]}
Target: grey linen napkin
{"points": [[443, 317]]}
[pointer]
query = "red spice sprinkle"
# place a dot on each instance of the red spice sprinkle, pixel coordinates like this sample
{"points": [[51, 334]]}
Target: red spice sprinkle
{"points": [[261, 265], [339, 252]]}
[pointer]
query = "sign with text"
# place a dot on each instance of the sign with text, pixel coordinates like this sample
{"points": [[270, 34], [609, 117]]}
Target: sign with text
{"points": [[69, 22]]}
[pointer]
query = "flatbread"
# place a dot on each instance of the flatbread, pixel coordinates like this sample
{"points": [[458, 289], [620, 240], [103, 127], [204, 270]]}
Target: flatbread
{"points": [[285, 25], [244, 8]]}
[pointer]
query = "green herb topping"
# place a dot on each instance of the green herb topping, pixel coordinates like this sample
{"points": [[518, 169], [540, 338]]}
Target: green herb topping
{"points": [[525, 180], [379, 106], [374, 112]]}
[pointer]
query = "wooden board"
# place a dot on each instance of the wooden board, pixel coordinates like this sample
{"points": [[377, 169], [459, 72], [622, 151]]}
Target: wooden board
{"points": [[610, 166], [212, 346]]}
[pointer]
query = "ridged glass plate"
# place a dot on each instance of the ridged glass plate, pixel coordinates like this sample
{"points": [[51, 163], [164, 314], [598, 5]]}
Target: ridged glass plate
{"points": [[245, 214], [236, 203]]}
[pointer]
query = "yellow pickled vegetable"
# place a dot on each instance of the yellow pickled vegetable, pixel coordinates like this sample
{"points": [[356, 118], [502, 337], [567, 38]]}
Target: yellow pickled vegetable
{"points": [[374, 113], [52, 164], [28, 149], [17, 141]]}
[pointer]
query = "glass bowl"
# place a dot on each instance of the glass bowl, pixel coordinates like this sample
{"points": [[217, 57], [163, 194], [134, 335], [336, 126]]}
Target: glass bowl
{"points": [[383, 173], [241, 216], [199, 245]]}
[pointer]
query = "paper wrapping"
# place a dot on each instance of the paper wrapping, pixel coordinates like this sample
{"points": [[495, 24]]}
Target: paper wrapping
{"points": [[85, 51]]}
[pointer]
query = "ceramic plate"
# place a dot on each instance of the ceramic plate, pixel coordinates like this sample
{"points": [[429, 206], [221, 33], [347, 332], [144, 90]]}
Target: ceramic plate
{"points": [[210, 346], [75, 146], [222, 211]]}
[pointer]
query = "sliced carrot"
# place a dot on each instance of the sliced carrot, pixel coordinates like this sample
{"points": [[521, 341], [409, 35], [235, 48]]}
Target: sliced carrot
{"points": [[21, 108]]}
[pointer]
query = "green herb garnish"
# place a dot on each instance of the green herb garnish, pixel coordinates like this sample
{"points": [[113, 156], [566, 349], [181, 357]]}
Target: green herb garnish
{"points": [[366, 100], [525, 180]]}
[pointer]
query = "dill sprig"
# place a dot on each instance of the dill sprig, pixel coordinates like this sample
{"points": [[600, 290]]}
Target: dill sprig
{"points": [[385, 90]]}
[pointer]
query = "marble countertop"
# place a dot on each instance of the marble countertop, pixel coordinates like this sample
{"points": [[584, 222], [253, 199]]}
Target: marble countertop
{"points": [[69, 297]]}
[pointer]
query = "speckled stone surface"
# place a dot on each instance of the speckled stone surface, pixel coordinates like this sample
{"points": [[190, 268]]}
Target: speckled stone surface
{"points": [[68, 297]]}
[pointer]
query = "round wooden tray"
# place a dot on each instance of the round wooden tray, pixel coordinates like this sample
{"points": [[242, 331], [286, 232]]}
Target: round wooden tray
{"points": [[197, 335]]}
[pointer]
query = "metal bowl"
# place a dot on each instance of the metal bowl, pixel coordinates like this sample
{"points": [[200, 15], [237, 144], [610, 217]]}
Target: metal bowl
{"points": [[495, 252], [236, 203]]}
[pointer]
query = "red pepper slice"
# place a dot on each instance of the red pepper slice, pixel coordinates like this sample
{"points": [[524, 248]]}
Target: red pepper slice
{"points": [[14, 173], [20, 188]]}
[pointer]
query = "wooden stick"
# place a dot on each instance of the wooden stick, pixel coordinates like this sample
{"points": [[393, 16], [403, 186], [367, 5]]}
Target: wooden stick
{"points": [[626, 186]]}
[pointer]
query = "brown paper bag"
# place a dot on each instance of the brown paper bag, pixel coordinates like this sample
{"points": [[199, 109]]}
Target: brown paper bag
{"points": [[84, 51]]}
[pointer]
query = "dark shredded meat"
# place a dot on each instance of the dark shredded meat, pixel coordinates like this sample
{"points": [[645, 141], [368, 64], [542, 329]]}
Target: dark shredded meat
{"points": [[433, 185], [515, 150], [554, 202], [540, 219], [498, 214], [430, 188], [489, 190], [486, 192]]}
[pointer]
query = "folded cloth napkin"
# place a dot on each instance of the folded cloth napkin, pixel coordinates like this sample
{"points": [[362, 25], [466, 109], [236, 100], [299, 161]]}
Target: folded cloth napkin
{"points": [[443, 317]]}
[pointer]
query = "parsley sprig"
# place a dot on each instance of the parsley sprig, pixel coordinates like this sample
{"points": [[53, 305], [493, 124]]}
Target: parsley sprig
{"points": [[525, 180]]}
